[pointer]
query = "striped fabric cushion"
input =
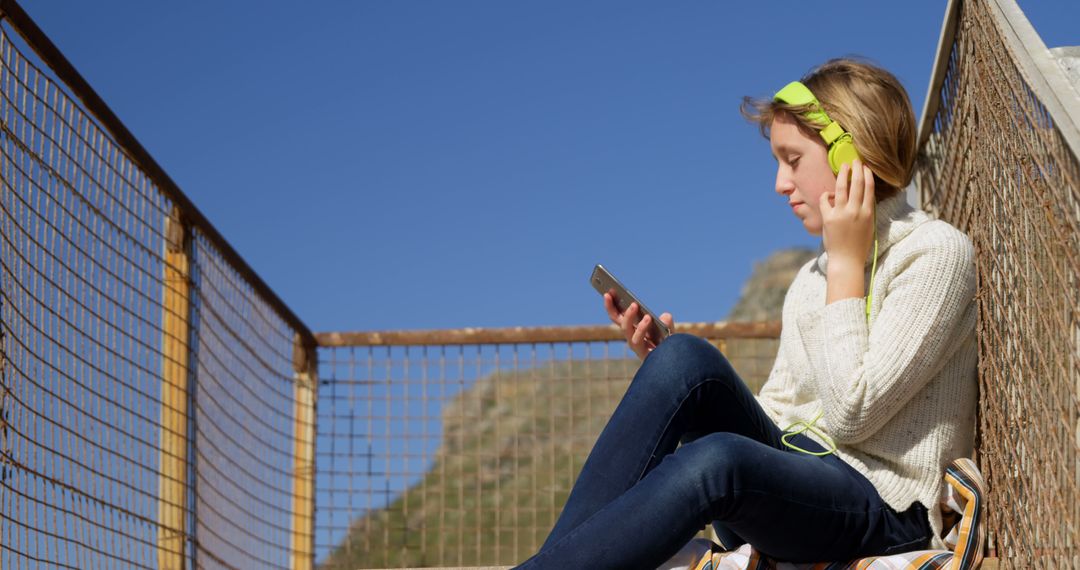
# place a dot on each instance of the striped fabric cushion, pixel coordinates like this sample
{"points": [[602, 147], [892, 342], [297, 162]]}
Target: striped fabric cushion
{"points": [[964, 497]]}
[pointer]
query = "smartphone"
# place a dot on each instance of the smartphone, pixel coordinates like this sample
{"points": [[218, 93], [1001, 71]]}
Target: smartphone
{"points": [[603, 281]]}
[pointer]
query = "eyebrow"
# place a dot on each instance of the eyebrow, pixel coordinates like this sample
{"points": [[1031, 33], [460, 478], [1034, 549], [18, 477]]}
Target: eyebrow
{"points": [[783, 148]]}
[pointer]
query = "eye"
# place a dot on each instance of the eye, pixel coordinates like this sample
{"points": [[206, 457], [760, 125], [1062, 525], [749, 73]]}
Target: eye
{"points": [[793, 161]]}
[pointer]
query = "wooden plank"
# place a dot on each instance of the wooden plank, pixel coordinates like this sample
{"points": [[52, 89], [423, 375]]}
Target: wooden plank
{"points": [[1043, 74], [586, 333], [172, 477], [302, 551]]}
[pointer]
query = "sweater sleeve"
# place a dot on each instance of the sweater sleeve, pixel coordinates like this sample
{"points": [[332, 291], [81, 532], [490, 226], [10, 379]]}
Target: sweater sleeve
{"points": [[864, 375]]}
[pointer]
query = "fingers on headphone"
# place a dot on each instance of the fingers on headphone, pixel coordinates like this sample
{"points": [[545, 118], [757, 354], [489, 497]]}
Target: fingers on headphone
{"points": [[857, 181], [841, 189], [868, 197]]}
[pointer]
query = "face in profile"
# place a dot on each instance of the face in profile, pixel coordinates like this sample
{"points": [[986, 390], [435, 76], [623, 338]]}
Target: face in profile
{"points": [[802, 170]]}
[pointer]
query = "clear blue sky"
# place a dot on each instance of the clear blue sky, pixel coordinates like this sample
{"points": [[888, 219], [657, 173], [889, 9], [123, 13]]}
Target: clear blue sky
{"points": [[400, 165]]}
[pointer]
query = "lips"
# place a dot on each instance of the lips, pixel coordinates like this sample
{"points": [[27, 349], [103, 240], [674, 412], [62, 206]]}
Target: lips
{"points": [[793, 204]]}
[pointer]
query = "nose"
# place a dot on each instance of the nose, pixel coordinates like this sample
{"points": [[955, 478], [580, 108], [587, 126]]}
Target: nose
{"points": [[784, 184]]}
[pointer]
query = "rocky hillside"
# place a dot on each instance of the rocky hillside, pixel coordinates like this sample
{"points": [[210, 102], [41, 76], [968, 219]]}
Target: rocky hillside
{"points": [[762, 296]]}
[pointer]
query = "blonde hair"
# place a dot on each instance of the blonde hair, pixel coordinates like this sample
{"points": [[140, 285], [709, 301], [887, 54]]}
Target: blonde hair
{"points": [[870, 103]]}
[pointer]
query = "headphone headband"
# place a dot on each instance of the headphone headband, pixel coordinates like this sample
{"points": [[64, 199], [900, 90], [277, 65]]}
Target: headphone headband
{"points": [[841, 147], [795, 93]]}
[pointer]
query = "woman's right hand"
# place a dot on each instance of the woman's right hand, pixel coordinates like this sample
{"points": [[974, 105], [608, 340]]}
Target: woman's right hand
{"points": [[638, 337]]}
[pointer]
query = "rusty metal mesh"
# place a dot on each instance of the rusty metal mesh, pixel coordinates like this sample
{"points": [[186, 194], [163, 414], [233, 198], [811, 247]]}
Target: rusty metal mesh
{"points": [[244, 439], [147, 407], [459, 455], [997, 166]]}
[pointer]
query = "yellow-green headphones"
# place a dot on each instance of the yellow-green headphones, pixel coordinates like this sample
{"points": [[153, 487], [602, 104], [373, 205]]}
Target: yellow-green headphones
{"points": [[841, 147]]}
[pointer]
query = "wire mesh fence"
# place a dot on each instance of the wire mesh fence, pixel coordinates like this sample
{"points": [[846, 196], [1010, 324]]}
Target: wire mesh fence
{"points": [[156, 399], [460, 449], [995, 162]]}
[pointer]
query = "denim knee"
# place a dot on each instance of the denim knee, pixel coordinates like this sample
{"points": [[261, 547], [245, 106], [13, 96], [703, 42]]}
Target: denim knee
{"points": [[684, 348], [683, 357]]}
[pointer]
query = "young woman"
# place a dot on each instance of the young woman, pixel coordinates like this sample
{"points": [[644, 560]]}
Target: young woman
{"points": [[872, 393]]}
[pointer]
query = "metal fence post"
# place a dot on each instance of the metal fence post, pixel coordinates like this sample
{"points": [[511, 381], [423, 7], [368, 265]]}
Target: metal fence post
{"points": [[172, 478], [3, 394], [305, 374]]}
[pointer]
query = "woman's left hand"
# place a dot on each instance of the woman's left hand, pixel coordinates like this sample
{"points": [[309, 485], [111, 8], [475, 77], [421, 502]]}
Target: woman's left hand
{"points": [[847, 216]]}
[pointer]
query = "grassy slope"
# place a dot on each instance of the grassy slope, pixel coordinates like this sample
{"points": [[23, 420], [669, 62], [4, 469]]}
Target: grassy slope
{"points": [[512, 446]]}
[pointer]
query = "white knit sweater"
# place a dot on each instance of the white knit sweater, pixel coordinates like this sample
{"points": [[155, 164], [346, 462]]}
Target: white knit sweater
{"points": [[898, 395]]}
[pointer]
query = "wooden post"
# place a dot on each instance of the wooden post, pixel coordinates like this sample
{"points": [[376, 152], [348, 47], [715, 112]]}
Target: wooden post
{"points": [[172, 479], [305, 371]]}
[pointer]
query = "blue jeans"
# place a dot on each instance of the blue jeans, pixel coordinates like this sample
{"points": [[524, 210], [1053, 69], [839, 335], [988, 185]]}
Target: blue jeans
{"points": [[638, 499]]}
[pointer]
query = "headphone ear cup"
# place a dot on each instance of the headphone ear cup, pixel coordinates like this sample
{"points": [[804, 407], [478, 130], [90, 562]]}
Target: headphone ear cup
{"points": [[841, 152]]}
